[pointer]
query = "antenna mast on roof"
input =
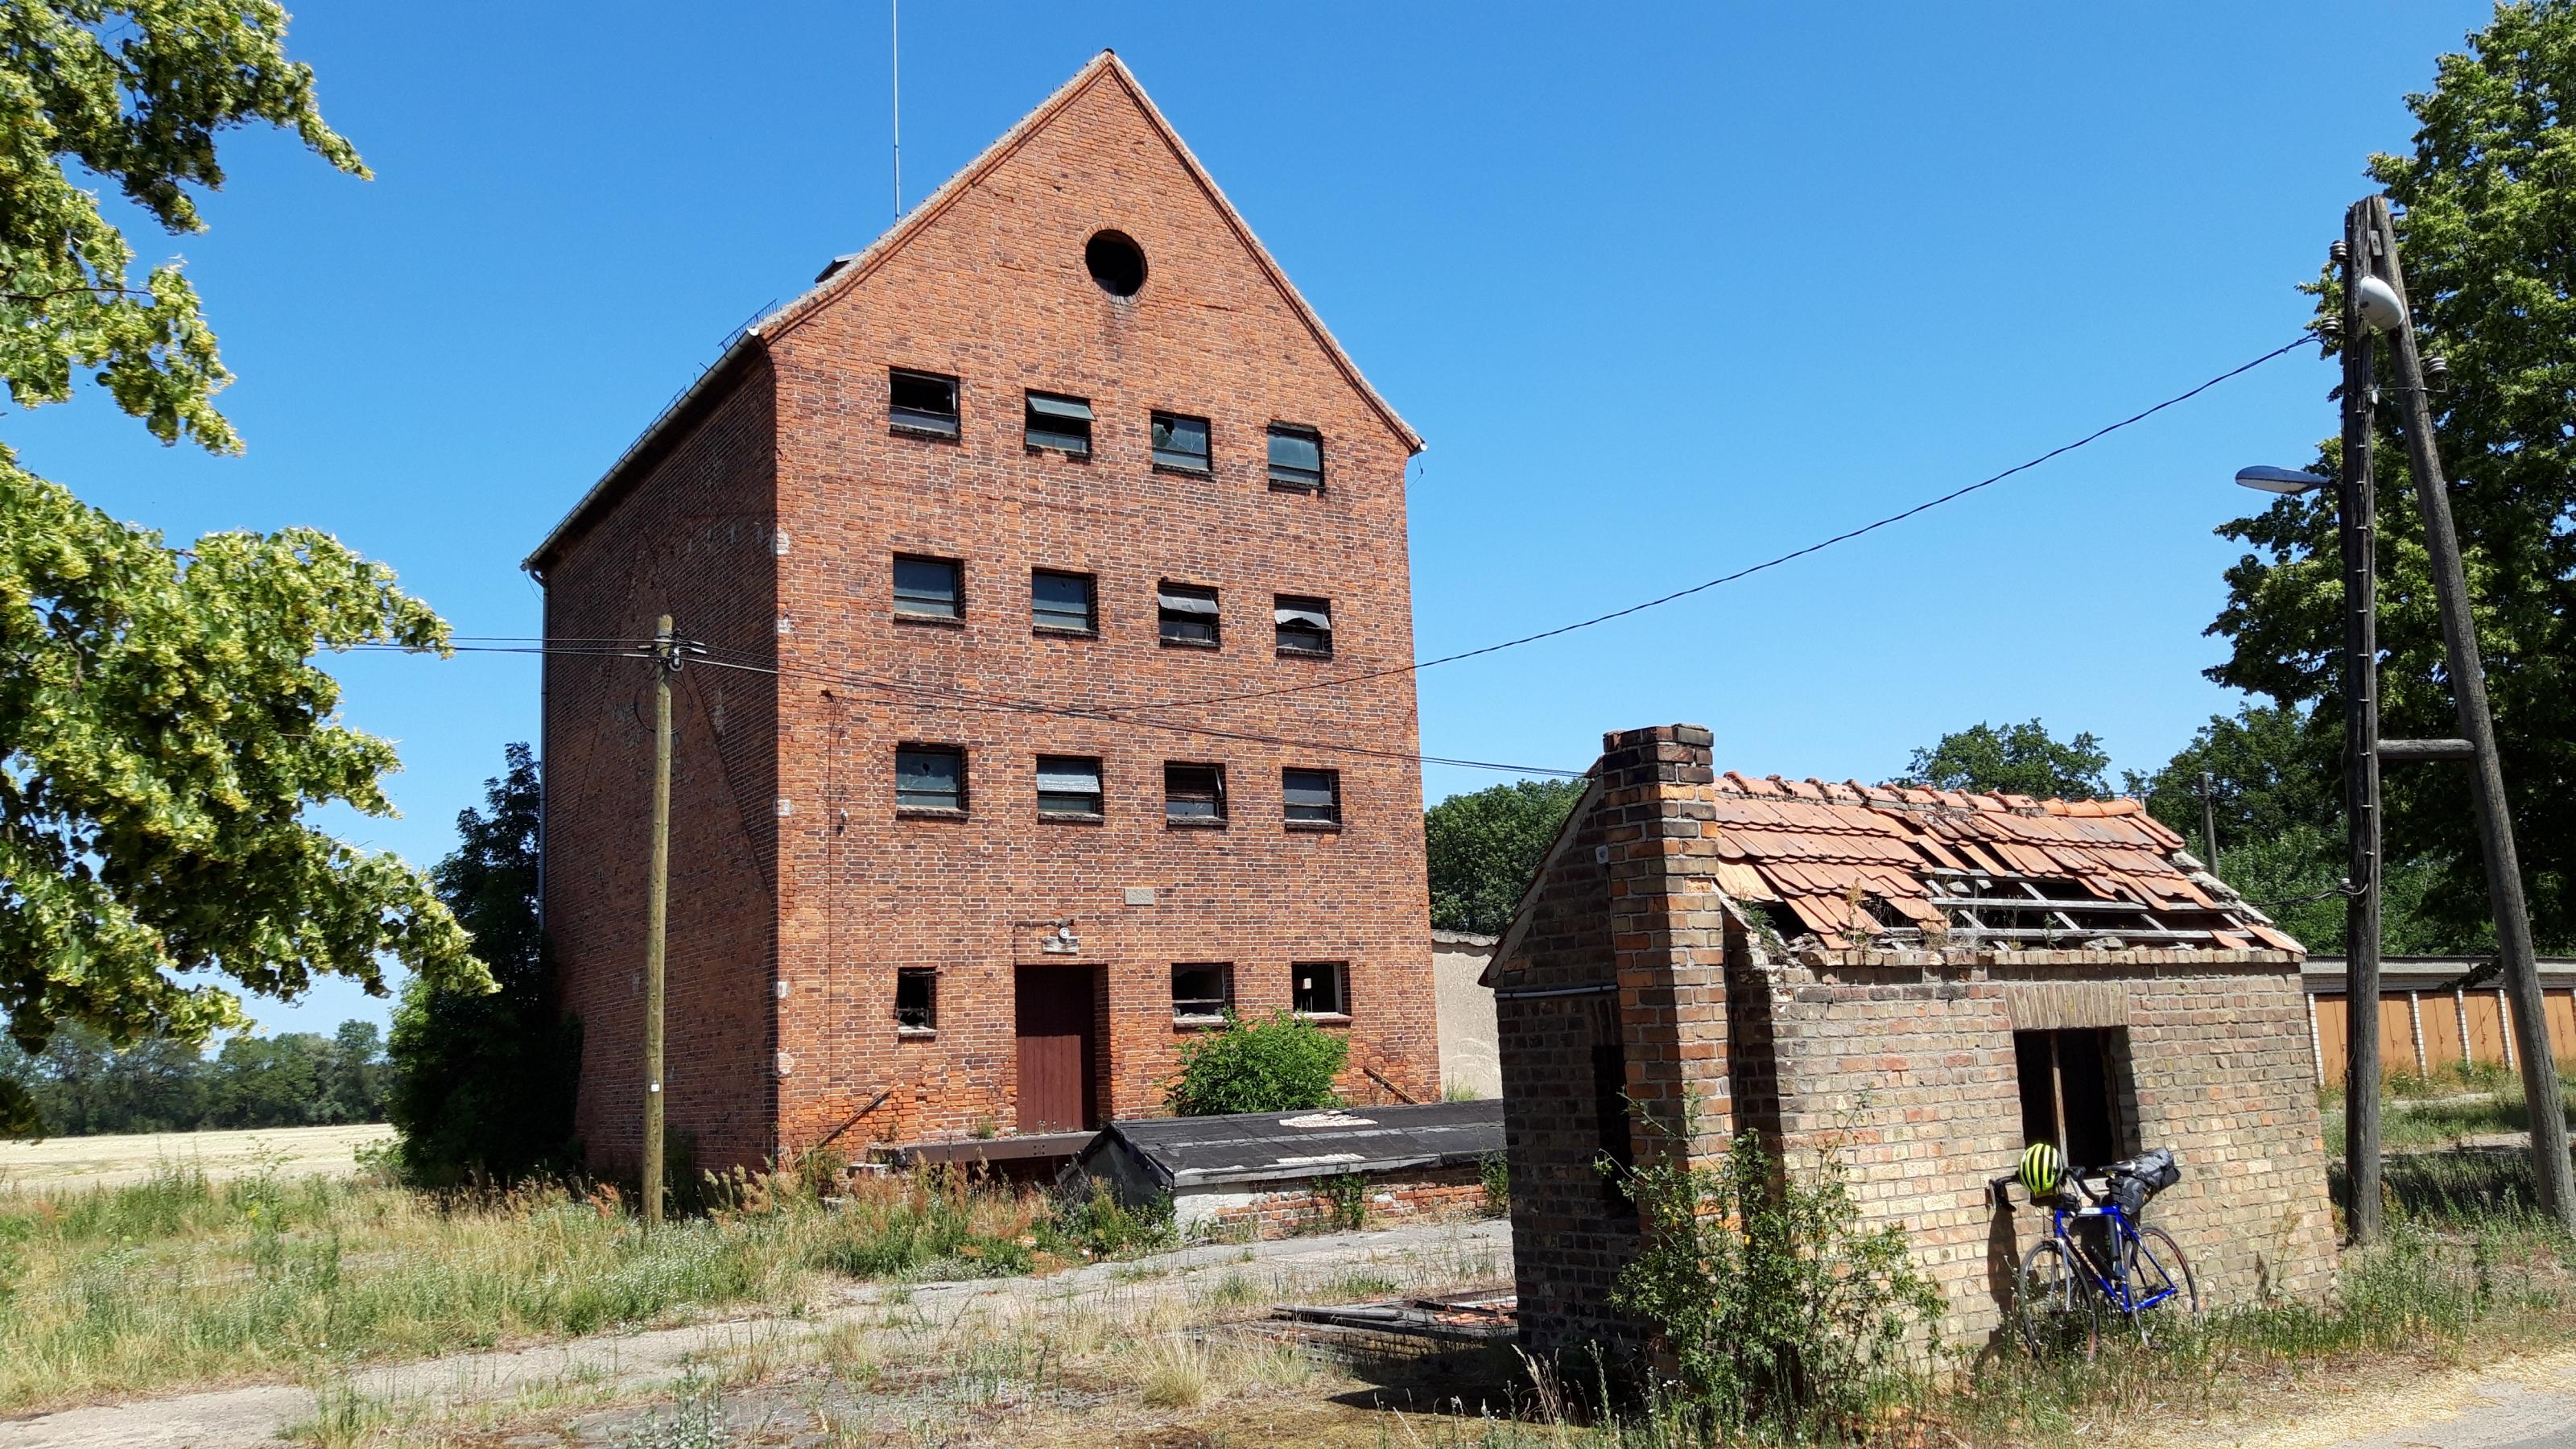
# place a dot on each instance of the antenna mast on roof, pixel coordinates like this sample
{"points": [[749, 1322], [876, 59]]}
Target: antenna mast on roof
{"points": [[894, 58]]}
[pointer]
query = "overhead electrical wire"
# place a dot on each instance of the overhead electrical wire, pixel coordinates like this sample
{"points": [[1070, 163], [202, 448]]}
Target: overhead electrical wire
{"points": [[1749, 570], [1124, 713]]}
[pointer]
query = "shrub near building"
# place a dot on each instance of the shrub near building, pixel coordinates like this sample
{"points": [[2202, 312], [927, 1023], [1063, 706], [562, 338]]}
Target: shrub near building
{"points": [[1281, 1063]]}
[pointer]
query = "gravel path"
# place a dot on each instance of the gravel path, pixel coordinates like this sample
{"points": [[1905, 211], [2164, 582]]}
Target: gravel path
{"points": [[256, 1414]]}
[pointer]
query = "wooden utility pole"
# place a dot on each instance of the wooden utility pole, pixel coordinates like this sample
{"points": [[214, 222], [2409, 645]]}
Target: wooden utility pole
{"points": [[2469, 694], [2209, 818], [2357, 518], [657, 899]]}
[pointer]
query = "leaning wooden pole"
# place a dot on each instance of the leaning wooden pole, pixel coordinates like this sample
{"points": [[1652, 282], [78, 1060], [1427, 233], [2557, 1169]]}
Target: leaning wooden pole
{"points": [[657, 900], [2357, 521], [2556, 1181]]}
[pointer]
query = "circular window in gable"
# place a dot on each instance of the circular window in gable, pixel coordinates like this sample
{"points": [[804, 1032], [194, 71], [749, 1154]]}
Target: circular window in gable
{"points": [[1116, 262]]}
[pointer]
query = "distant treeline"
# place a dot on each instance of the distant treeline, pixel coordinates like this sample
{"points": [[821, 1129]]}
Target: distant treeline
{"points": [[83, 1085]]}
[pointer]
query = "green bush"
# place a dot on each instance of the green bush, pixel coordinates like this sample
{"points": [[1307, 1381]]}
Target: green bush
{"points": [[1781, 1314], [1282, 1063], [482, 1084]]}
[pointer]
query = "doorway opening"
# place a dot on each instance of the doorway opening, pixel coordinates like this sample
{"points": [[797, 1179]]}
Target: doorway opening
{"points": [[1059, 1048]]}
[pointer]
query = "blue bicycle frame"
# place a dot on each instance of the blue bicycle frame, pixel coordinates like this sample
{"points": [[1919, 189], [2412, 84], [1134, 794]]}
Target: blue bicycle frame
{"points": [[2127, 1248]]}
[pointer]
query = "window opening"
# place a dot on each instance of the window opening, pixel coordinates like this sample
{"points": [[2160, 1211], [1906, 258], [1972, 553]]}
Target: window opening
{"points": [[2070, 1092], [1062, 602], [1305, 625], [1069, 785], [1612, 1129], [1115, 262], [922, 402], [1296, 457], [927, 588], [929, 777], [1187, 614], [1311, 797], [1193, 793], [1060, 423], [1202, 991], [1181, 442], [1319, 987], [916, 998]]}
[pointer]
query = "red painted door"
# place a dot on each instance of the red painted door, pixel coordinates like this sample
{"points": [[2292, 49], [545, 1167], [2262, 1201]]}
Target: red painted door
{"points": [[1059, 1047]]}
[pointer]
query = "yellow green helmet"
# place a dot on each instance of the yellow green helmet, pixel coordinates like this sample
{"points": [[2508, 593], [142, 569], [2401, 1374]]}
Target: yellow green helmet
{"points": [[2040, 1169]]}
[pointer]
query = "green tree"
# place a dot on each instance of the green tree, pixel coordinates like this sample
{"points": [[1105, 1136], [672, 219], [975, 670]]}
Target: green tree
{"points": [[2487, 226], [1280, 1063], [162, 730], [354, 1081], [269, 1081], [2276, 773], [1485, 846], [2017, 759], [483, 1082]]}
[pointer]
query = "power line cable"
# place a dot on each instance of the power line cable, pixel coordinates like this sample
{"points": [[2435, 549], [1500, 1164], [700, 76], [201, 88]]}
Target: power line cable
{"points": [[973, 702], [1749, 570]]}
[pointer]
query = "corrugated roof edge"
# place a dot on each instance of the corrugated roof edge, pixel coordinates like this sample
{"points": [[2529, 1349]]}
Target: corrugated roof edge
{"points": [[703, 386]]}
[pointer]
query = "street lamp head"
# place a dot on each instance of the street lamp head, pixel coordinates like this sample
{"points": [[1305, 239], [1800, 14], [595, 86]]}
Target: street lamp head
{"points": [[2281, 480], [2381, 311]]}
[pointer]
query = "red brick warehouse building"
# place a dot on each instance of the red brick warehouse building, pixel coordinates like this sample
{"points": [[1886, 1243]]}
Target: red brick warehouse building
{"points": [[999, 541]]}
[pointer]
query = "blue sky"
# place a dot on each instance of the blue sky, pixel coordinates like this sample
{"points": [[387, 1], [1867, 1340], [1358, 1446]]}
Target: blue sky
{"points": [[1666, 295]]}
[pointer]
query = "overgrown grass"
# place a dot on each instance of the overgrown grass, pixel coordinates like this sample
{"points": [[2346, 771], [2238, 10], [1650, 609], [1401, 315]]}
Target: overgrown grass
{"points": [[180, 1279], [2438, 1112], [2470, 1271]]}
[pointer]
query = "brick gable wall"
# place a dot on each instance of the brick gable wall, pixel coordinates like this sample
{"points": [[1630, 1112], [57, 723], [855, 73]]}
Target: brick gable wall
{"points": [[992, 290]]}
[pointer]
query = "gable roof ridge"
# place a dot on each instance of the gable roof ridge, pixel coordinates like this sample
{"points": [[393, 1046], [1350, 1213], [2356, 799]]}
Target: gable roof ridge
{"points": [[841, 278]]}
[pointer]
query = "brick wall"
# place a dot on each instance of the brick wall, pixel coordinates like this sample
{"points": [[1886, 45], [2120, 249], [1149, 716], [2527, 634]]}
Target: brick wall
{"points": [[1909, 1067], [1905, 1061], [1435, 1194], [989, 286], [690, 535]]}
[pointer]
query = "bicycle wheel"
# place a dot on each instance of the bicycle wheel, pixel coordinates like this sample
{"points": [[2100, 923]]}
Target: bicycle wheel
{"points": [[2162, 1266], [2056, 1306]]}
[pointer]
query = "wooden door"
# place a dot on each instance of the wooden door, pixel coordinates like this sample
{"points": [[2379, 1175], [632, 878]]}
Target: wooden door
{"points": [[1059, 1049]]}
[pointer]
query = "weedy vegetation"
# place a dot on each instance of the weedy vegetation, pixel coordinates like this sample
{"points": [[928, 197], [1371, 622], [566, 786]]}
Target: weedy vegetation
{"points": [[181, 1279]]}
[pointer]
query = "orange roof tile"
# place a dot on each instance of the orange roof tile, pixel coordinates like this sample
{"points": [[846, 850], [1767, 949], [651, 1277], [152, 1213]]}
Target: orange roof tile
{"points": [[1812, 844]]}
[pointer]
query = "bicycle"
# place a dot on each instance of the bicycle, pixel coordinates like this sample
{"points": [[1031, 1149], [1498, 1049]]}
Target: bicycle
{"points": [[2066, 1286]]}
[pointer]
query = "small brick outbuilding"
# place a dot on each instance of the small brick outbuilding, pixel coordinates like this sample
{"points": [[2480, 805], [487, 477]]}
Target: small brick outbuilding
{"points": [[1930, 978]]}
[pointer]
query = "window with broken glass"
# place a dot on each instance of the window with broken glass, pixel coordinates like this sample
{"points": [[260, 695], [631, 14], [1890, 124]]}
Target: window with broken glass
{"points": [[1202, 991], [922, 402], [1063, 603], [1193, 794], [930, 777], [1319, 987], [1187, 615], [1305, 624], [916, 998], [1180, 442]]}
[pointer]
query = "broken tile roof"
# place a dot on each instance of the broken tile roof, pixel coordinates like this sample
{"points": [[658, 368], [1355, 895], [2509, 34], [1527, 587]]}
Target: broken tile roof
{"points": [[1853, 863]]}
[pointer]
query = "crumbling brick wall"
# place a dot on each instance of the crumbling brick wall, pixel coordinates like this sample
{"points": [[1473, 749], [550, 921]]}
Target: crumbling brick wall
{"points": [[1907, 1066], [1904, 1061]]}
